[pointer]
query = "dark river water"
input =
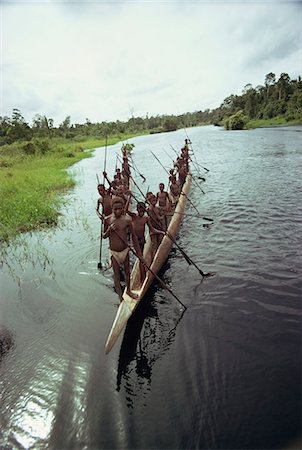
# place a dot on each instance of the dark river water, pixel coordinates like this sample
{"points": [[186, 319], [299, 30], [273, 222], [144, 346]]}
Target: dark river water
{"points": [[225, 374]]}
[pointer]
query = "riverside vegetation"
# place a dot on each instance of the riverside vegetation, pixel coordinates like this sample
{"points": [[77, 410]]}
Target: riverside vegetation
{"points": [[32, 157], [32, 176]]}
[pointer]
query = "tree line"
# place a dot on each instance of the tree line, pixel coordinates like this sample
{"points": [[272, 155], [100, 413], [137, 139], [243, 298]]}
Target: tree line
{"points": [[280, 97], [277, 98]]}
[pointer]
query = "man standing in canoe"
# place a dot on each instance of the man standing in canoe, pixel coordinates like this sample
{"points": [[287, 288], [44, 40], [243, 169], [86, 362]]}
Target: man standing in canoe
{"points": [[116, 227], [157, 224], [104, 200], [174, 192], [163, 202]]}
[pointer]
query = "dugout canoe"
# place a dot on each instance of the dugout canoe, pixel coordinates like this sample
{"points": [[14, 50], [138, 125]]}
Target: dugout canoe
{"points": [[128, 305]]}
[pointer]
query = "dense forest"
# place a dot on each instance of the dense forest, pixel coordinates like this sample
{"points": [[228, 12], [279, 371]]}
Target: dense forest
{"points": [[277, 98]]}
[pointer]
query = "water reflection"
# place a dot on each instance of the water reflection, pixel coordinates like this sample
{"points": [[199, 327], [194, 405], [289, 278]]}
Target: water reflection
{"points": [[148, 336], [6, 341]]}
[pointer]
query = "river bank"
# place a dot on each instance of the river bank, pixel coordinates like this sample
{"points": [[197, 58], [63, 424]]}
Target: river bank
{"points": [[274, 122], [33, 177]]}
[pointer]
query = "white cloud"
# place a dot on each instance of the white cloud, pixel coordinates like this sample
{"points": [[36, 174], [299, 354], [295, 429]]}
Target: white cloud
{"points": [[93, 60]]}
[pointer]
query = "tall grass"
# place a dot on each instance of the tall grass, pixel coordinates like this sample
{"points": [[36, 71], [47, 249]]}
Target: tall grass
{"points": [[29, 192]]}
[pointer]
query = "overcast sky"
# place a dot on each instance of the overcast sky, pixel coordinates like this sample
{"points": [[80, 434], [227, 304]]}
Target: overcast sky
{"points": [[107, 60]]}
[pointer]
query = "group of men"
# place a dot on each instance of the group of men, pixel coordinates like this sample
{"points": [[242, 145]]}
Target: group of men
{"points": [[121, 224]]}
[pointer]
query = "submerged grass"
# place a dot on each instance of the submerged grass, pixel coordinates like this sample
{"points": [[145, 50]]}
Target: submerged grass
{"points": [[31, 184]]}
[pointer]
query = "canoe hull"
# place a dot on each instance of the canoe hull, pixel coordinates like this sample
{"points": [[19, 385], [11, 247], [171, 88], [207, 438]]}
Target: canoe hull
{"points": [[128, 305]]}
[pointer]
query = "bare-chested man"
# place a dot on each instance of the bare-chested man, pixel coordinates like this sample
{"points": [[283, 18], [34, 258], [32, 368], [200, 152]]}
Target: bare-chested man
{"points": [[181, 169], [104, 200], [125, 168], [185, 157], [148, 195], [174, 193], [125, 195], [157, 222], [139, 221], [118, 173], [163, 201], [116, 227]]}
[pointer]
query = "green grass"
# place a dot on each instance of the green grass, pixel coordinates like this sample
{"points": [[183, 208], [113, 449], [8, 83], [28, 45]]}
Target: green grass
{"points": [[31, 185], [29, 193], [275, 121]]}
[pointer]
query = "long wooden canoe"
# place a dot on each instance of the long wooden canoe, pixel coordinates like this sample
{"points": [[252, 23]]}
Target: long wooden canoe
{"points": [[128, 305]]}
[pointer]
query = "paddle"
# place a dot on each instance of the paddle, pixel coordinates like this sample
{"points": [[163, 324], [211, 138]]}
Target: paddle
{"points": [[100, 266], [191, 215], [135, 168]]}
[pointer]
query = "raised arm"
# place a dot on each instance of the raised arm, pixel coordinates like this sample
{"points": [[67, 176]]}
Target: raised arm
{"points": [[106, 177]]}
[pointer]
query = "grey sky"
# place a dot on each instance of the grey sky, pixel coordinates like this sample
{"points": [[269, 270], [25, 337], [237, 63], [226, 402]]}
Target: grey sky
{"points": [[100, 59]]}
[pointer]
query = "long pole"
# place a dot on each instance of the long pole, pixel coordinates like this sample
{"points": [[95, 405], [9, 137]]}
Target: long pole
{"points": [[100, 266], [136, 169]]}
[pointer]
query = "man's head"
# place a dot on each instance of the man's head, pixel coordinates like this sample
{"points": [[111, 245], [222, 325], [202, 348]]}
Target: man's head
{"points": [[161, 187], [148, 195], [173, 179], [101, 189], [152, 199], [118, 205], [141, 208]]}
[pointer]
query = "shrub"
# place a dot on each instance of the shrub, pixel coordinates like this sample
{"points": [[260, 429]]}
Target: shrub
{"points": [[29, 148], [237, 121]]}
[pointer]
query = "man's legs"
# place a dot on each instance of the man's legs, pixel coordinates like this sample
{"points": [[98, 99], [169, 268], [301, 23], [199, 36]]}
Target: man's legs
{"points": [[127, 276], [117, 279]]}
